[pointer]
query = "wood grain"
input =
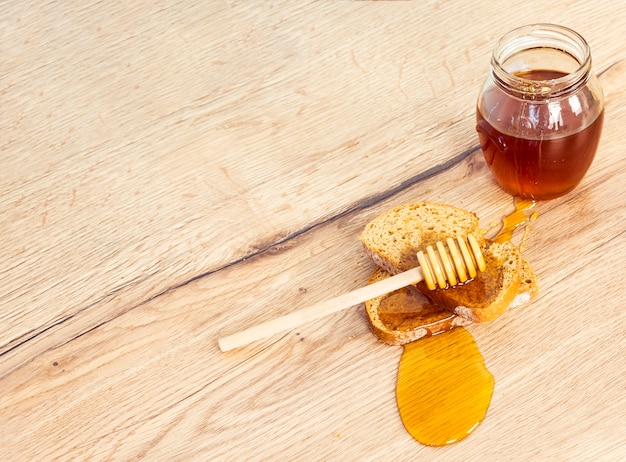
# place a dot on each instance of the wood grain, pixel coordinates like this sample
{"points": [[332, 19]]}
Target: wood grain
{"points": [[171, 173]]}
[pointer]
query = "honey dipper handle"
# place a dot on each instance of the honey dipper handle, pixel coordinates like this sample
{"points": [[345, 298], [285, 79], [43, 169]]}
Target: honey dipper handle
{"points": [[319, 310]]}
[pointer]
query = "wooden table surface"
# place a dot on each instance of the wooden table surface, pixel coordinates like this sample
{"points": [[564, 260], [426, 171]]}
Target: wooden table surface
{"points": [[173, 172]]}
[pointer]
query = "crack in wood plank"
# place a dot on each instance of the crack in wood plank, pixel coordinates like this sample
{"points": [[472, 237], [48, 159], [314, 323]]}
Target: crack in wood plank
{"points": [[360, 205]]}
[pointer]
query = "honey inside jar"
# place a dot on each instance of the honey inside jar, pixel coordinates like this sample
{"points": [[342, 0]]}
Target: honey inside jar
{"points": [[548, 161], [540, 113]]}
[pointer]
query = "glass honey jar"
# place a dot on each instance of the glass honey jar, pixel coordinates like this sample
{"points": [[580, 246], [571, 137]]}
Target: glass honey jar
{"points": [[540, 111]]}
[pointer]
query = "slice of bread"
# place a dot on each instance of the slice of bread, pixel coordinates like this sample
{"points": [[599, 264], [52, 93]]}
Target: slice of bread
{"points": [[393, 239], [405, 315]]}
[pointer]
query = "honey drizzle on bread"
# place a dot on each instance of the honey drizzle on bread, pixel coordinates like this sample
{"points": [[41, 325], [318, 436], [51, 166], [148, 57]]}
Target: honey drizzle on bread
{"points": [[392, 240]]}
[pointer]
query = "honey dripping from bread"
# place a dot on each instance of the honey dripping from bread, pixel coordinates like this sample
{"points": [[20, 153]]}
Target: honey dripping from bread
{"points": [[444, 389]]}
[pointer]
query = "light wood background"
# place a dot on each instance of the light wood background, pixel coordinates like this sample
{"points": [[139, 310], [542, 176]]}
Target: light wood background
{"points": [[172, 172]]}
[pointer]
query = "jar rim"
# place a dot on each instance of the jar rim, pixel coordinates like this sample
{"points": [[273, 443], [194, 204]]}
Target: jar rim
{"points": [[535, 36]]}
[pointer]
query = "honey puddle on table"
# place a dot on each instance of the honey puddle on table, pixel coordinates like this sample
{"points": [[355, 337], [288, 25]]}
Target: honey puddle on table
{"points": [[444, 389]]}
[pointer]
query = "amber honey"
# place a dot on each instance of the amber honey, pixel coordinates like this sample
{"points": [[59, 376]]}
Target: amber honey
{"points": [[444, 389], [406, 309], [547, 161], [540, 111], [512, 221]]}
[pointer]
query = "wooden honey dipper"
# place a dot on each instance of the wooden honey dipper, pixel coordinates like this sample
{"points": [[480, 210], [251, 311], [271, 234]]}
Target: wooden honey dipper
{"points": [[442, 265]]}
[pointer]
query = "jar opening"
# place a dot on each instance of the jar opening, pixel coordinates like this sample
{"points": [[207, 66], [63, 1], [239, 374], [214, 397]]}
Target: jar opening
{"points": [[541, 60]]}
